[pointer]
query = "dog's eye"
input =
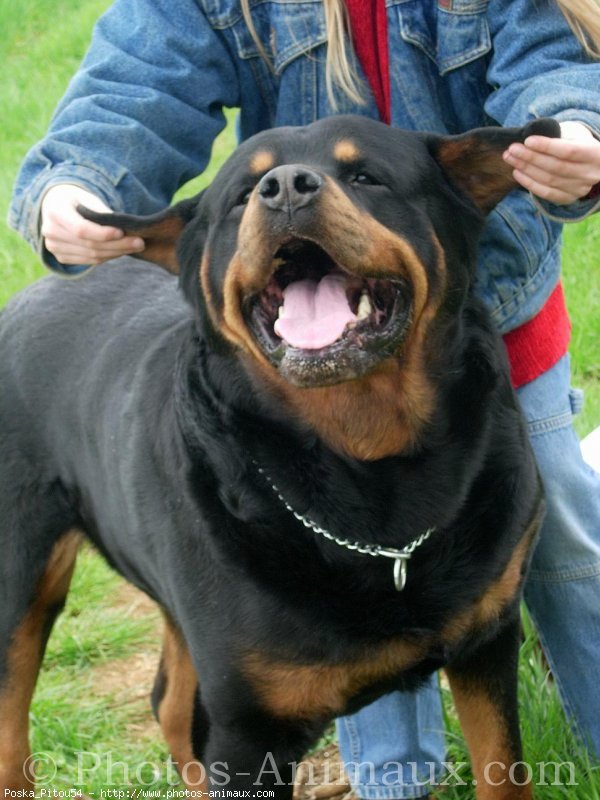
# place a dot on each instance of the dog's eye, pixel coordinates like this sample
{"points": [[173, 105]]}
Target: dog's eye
{"points": [[243, 197], [364, 179]]}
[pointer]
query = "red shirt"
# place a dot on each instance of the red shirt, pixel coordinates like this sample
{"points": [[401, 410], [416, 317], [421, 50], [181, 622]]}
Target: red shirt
{"points": [[534, 347]]}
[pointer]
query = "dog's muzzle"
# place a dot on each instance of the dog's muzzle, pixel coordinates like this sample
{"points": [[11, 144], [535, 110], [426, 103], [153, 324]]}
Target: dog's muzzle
{"points": [[323, 315]]}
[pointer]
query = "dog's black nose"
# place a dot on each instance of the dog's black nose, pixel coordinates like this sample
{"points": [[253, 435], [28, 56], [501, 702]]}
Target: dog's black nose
{"points": [[289, 187]]}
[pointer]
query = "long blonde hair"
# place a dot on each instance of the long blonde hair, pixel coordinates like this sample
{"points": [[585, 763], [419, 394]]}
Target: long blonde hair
{"points": [[584, 18], [582, 15]]}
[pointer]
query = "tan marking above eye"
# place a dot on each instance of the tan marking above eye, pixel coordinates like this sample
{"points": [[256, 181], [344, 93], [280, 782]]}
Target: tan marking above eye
{"points": [[346, 150], [262, 161]]}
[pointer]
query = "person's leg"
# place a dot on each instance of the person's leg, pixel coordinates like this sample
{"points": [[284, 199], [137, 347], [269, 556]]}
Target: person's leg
{"points": [[563, 588], [394, 747]]}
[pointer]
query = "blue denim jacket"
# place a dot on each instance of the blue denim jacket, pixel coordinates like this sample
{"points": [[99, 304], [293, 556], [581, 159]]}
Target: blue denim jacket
{"points": [[139, 118]]}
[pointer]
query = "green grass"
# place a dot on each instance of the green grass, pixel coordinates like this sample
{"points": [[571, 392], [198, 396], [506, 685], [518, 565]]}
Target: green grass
{"points": [[581, 279], [91, 630], [41, 43]]}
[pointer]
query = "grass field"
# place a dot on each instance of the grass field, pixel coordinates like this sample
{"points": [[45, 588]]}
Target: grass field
{"points": [[92, 695]]}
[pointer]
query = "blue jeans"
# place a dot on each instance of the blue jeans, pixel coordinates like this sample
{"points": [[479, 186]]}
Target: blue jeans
{"points": [[562, 595]]}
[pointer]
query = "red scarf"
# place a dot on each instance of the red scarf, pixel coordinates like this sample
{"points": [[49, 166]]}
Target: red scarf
{"points": [[368, 23]]}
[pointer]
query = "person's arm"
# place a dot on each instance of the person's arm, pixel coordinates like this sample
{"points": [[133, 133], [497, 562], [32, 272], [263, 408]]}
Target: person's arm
{"points": [[539, 69], [138, 120]]}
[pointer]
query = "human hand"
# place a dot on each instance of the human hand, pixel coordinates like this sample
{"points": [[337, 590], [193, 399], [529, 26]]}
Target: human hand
{"points": [[73, 239], [559, 170]]}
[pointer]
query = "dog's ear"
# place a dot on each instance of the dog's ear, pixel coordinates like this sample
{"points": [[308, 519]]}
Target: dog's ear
{"points": [[473, 161], [159, 231]]}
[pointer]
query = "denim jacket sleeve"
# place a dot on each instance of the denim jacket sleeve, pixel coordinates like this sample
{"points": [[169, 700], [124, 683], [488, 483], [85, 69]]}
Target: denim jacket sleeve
{"points": [[156, 67], [539, 69]]}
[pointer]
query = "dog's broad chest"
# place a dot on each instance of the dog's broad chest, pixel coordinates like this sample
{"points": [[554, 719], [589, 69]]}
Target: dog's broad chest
{"points": [[295, 690]]}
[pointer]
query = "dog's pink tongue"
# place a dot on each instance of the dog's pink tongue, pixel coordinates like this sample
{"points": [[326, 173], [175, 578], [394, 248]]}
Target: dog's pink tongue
{"points": [[314, 314]]}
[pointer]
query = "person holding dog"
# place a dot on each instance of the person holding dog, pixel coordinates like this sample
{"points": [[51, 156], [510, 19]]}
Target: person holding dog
{"points": [[138, 121]]}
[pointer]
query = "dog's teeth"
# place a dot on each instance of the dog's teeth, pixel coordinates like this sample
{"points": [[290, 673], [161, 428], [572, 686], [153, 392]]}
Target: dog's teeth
{"points": [[364, 307], [280, 312]]}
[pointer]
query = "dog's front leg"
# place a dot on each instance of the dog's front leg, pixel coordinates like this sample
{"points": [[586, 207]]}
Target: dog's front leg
{"points": [[255, 754], [484, 687]]}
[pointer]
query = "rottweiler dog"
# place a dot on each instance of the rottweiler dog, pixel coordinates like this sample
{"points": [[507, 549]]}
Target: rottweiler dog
{"points": [[305, 449]]}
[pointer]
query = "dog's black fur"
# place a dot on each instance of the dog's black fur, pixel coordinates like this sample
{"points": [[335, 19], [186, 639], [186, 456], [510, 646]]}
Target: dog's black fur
{"points": [[152, 422]]}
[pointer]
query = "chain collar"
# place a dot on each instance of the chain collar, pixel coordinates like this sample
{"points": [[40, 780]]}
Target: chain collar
{"points": [[400, 557]]}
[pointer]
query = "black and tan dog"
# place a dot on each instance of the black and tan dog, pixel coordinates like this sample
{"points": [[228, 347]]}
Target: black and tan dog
{"points": [[311, 458]]}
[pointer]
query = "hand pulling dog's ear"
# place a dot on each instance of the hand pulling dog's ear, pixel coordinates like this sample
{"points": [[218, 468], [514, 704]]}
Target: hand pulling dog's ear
{"points": [[472, 162], [159, 231]]}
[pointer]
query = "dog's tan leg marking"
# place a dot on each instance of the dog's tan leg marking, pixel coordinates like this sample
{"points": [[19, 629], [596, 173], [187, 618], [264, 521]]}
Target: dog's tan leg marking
{"points": [[484, 727], [488, 741], [176, 707], [489, 607], [25, 654]]}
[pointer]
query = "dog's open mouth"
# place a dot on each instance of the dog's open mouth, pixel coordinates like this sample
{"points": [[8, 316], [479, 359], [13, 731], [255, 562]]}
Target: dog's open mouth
{"points": [[320, 324]]}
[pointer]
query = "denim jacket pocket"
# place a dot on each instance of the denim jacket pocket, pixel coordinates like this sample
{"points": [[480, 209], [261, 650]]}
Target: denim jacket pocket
{"points": [[463, 34], [456, 33], [518, 261], [285, 28]]}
